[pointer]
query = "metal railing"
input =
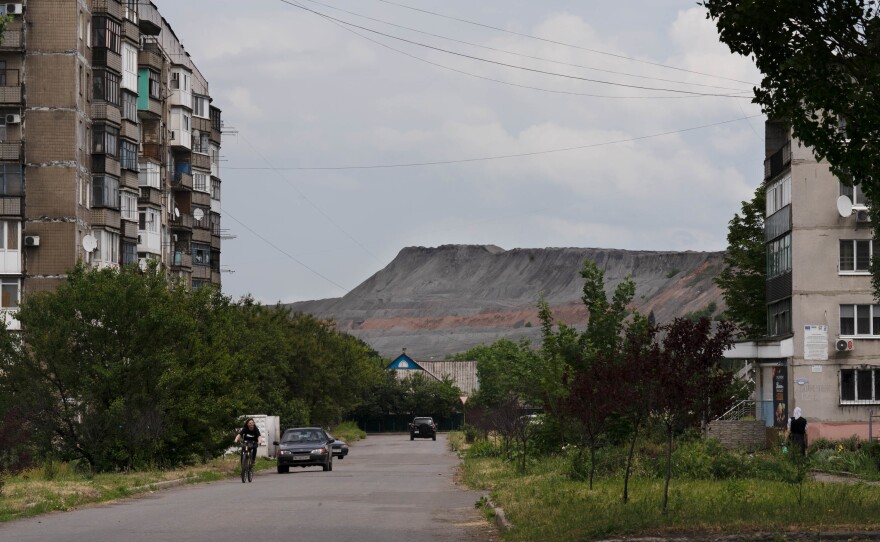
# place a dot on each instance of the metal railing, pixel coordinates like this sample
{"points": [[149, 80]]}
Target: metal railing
{"points": [[777, 162], [748, 409]]}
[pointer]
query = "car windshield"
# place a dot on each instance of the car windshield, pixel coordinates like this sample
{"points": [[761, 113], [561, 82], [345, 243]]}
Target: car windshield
{"points": [[302, 435], [423, 420]]}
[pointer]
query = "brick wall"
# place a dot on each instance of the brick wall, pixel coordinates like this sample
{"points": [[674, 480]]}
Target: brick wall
{"points": [[739, 434]]}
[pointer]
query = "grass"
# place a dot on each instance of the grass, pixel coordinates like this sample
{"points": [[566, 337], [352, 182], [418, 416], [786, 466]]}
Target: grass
{"points": [[348, 432], [547, 505], [58, 486]]}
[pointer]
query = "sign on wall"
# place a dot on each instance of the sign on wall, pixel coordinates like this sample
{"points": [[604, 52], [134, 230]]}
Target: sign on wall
{"points": [[780, 396], [816, 343]]}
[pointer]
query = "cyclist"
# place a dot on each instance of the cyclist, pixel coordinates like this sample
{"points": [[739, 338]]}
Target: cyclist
{"points": [[250, 433]]}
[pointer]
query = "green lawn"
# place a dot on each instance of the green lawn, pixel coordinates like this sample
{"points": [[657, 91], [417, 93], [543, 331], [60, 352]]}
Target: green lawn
{"points": [[546, 505]]}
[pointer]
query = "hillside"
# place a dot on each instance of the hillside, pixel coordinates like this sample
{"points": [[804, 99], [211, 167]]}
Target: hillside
{"points": [[439, 301]]}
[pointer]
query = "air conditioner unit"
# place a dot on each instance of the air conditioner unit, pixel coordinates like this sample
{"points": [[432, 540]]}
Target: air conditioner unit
{"points": [[13, 9], [844, 345], [13, 118], [863, 216], [31, 240]]}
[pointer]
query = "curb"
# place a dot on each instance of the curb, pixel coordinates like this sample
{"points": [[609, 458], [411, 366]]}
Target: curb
{"points": [[163, 484], [760, 536], [501, 520]]}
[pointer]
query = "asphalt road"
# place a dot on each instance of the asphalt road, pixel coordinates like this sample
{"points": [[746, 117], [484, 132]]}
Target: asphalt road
{"points": [[387, 489]]}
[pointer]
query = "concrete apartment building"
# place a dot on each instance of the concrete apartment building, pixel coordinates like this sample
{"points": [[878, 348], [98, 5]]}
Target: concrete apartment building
{"points": [[109, 146], [822, 352]]}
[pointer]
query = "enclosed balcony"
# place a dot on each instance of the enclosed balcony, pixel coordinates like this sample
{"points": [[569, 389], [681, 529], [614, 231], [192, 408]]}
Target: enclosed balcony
{"points": [[10, 87], [777, 162]]}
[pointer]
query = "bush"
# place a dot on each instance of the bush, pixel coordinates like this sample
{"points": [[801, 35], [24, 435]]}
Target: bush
{"points": [[349, 432], [471, 433]]}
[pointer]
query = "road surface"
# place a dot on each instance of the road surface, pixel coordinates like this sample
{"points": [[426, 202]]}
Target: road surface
{"points": [[387, 489]]}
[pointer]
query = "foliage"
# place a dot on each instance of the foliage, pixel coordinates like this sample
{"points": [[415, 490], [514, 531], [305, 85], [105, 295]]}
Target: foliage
{"points": [[821, 69], [126, 369], [348, 432], [416, 394], [745, 268]]}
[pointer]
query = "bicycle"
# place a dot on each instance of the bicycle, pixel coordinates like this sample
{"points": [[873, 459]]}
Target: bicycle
{"points": [[247, 465]]}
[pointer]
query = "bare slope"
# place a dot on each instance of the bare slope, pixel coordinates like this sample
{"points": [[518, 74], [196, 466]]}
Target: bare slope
{"points": [[438, 301]]}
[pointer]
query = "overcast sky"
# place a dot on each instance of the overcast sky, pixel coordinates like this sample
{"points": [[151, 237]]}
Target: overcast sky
{"points": [[304, 92]]}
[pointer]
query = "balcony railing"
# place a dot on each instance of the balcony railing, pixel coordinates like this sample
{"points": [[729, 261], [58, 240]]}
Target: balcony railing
{"points": [[777, 162], [10, 87], [11, 39]]}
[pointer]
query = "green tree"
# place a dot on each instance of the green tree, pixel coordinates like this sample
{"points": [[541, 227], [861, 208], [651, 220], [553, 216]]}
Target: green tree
{"points": [[743, 279], [821, 72]]}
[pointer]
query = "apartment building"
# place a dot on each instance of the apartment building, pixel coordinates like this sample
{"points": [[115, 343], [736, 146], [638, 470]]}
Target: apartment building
{"points": [[822, 352], [109, 146]]}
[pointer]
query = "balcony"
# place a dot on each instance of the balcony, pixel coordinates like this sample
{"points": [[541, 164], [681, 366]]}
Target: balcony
{"points": [[10, 150], [131, 30], [182, 259], [150, 195], [151, 56], [777, 162], [10, 206], [201, 161], [11, 39], [104, 57], [182, 181], [103, 163], [106, 111], [152, 150], [109, 7], [10, 87], [9, 316], [182, 222]]}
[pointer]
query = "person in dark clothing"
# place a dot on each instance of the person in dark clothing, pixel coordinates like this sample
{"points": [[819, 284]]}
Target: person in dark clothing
{"points": [[250, 433], [797, 432]]}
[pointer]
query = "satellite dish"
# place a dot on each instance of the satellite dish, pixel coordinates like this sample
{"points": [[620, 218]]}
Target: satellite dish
{"points": [[198, 214], [176, 212], [90, 243], [142, 264], [844, 206]]}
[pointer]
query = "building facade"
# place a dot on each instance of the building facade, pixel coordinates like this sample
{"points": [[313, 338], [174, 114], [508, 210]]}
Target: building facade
{"points": [[109, 147], [822, 352]]}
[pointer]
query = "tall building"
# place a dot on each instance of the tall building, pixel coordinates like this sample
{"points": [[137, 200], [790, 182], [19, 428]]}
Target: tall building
{"points": [[822, 352], [109, 146]]}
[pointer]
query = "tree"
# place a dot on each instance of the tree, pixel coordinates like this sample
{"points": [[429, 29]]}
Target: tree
{"points": [[690, 385], [745, 268], [821, 70]]}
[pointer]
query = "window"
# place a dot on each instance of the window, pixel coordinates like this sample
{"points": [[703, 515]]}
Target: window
{"points": [[860, 386], [128, 155], [200, 182], [216, 123], [215, 189], [129, 107], [149, 174], [149, 221], [9, 289], [779, 318], [779, 256], [859, 320], [105, 192], [105, 87], [201, 143], [155, 85], [200, 106], [855, 195], [105, 140], [129, 204], [131, 10], [201, 254], [106, 33], [215, 224], [9, 234], [107, 250], [129, 253], [10, 179], [779, 194], [855, 256], [129, 67]]}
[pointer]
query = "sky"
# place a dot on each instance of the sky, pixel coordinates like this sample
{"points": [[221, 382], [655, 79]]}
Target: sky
{"points": [[632, 123]]}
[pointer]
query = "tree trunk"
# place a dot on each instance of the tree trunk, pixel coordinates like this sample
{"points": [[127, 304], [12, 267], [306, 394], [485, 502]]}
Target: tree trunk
{"points": [[632, 447], [592, 463], [668, 469]]}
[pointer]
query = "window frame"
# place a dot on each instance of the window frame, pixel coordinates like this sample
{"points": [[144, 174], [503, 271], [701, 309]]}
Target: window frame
{"points": [[107, 136], [855, 373], [107, 33], [128, 155], [105, 192], [857, 316]]}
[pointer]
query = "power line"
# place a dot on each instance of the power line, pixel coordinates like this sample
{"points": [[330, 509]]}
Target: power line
{"points": [[519, 54], [499, 157], [615, 55], [498, 63], [282, 251], [310, 202]]}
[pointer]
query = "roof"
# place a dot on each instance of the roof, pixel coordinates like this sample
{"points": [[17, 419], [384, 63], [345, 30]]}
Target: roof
{"points": [[462, 373]]}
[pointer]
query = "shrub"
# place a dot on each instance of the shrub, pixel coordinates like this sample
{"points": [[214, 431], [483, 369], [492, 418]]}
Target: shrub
{"points": [[471, 433], [349, 432]]}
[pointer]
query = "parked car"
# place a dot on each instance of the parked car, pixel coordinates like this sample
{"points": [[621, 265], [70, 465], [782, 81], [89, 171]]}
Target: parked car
{"points": [[423, 427], [340, 448], [304, 447]]}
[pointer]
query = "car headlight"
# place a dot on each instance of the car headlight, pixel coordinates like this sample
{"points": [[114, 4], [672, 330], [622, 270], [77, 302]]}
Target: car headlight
{"points": [[284, 452], [320, 451]]}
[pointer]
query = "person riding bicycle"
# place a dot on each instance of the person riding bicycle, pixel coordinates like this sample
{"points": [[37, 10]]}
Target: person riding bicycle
{"points": [[250, 434]]}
